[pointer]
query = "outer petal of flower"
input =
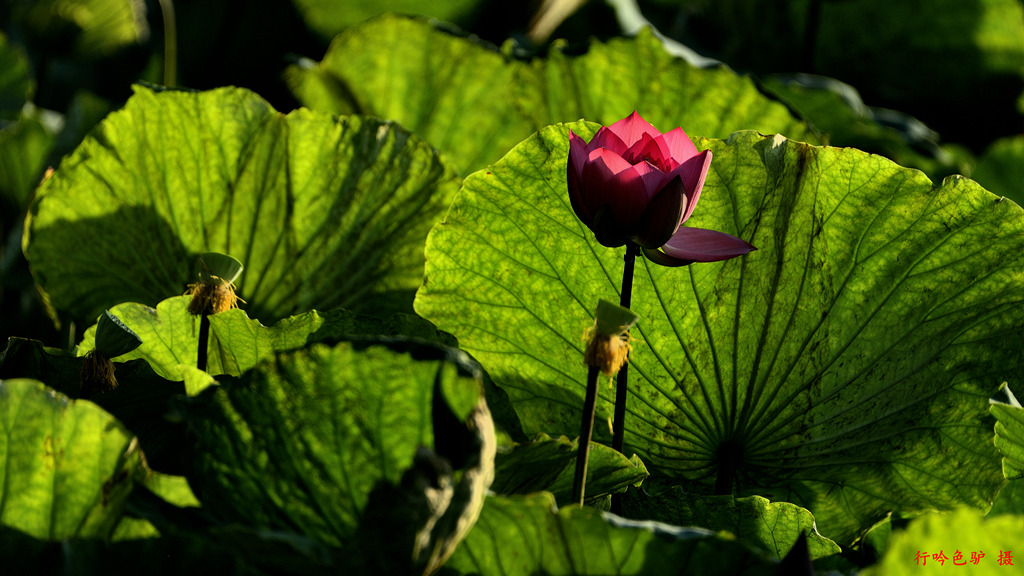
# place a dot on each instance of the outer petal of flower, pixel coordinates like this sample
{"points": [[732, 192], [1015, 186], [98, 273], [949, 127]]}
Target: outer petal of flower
{"points": [[630, 129], [693, 172], [679, 145], [608, 180], [606, 231], [662, 259], [661, 219], [605, 138], [574, 168], [700, 245]]}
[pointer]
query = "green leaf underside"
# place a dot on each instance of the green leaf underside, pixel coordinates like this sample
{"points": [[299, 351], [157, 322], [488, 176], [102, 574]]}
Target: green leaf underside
{"points": [[67, 465], [528, 535], [1010, 499], [549, 465], [321, 211], [845, 365], [16, 84], [474, 103], [237, 342], [298, 443], [327, 18], [98, 28], [1010, 439], [770, 526]]}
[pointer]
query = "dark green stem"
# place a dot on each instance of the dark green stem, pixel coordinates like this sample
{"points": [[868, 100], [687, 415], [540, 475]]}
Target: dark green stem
{"points": [[204, 341], [579, 484], [622, 381], [632, 251], [170, 43]]}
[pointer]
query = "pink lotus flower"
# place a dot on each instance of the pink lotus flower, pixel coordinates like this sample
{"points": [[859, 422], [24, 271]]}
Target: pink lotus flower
{"points": [[632, 183]]}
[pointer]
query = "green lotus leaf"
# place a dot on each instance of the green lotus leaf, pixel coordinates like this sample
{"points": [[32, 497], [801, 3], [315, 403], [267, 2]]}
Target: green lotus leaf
{"points": [[1001, 168], [232, 550], [1010, 434], [844, 366], [24, 146], [96, 28], [173, 490], [321, 211], [953, 53], [67, 465], [358, 445], [836, 109], [959, 541], [770, 526], [16, 84], [327, 17], [549, 465], [238, 342], [474, 103], [1010, 499], [522, 535], [140, 400], [928, 57]]}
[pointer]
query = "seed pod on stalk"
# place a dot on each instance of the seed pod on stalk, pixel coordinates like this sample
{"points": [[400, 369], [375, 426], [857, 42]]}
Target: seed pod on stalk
{"points": [[607, 350], [113, 339], [212, 294]]}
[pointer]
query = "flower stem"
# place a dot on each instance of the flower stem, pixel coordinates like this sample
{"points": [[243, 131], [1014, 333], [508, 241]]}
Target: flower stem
{"points": [[170, 43], [586, 432], [622, 381], [632, 250], [204, 341]]}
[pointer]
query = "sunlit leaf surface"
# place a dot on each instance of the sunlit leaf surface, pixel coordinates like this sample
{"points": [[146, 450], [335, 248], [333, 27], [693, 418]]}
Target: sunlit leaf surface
{"points": [[321, 211]]}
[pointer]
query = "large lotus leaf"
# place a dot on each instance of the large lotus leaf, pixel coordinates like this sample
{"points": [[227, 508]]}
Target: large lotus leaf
{"points": [[1010, 436], [231, 551], [962, 541], [24, 146], [96, 27], [237, 343], [67, 465], [835, 108], [934, 53], [844, 366], [452, 90], [170, 335], [171, 489], [613, 79], [528, 535], [353, 444], [929, 57], [140, 400], [549, 465], [771, 526], [329, 17], [475, 103], [322, 211], [1010, 499], [15, 83]]}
